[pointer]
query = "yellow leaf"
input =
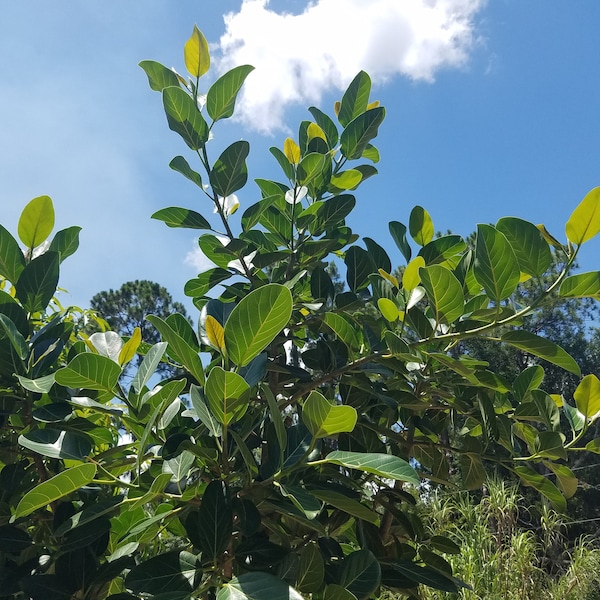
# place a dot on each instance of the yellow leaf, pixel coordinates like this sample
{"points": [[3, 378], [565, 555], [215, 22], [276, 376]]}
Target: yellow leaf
{"points": [[291, 151], [389, 278], [215, 333], [410, 277], [314, 131], [524, 277], [336, 108], [196, 55], [584, 222], [388, 309], [374, 104], [548, 236], [557, 399], [130, 347]]}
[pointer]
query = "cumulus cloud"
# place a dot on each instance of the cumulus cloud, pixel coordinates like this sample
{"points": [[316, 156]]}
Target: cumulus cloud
{"points": [[301, 56]]}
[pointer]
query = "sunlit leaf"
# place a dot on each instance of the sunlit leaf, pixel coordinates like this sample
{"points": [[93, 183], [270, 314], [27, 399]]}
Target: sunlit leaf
{"points": [[65, 242], [90, 371], [12, 261], [584, 222], [543, 485], [38, 281], [230, 173], [228, 395], [181, 165], [324, 418], [56, 443], [56, 487], [159, 76], [582, 285], [360, 131], [444, 291], [355, 99], [36, 221], [196, 54], [222, 94], [257, 586], [383, 465], [587, 396], [255, 322], [420, 226], [184, 117]]}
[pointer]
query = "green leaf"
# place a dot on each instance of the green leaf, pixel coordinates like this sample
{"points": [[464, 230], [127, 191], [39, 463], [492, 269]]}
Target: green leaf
{"points": [[215, 520], [398, 232], [148, 366], [256, 321], [203, 412], [303, 500], [16, 339], [538, 346], [283, 161], [38, 281], [36, 221], [311, 167], [159, 76], [584, 222], [42, 385], [473, 473], [543, 485], [311, 570], [222, 94], [252, 215], [529, 379], [343, 328], [443, 249], [420, 226], [360, 131], [587, 396], [172, 574], [346, 504], [567, 482], [12, 261], [182, 166], [179, 347], [355, 98], [378, 255], [346, 180], [583, 285], [531, 249], [56, 487], [426, 576], [195, 288], [360, 573], [496, 267], [196, 54], [326, 124], [444, 291], [257, 586], [184, 117], [333, 212], [382, 465], [91, 372], [230, 173], [359, 266], [324, 418], [228, 395], [56, 443], [337, 592], [65, 242]]}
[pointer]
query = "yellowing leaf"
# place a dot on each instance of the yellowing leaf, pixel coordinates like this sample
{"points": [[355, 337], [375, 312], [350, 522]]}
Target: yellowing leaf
{"points": [[314, 131], [336, 107], [587, 396], [196, 55], [411, 277], [374, 104], [389, 278], [215, 333], [291, 151], [130, 347], [548, 236], [584, 222], [388, 309]]}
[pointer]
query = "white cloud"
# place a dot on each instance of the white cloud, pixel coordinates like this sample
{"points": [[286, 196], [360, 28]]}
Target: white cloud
{"points": [[299, 57]]}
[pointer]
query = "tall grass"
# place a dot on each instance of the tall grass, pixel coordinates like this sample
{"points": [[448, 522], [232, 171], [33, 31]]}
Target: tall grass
{"points": [[504, 556]]}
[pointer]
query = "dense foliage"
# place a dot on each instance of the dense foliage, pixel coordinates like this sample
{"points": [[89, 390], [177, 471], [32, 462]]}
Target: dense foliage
{"points": [[286, 460]]}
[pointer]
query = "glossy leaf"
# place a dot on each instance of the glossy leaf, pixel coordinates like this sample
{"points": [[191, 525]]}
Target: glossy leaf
{"points": [[181, 165], [411, 277], [343, 328], [311, 168], [496, 267], [14, 335], [65, 242], [222, 94], [205, 282], [473, 472], [91, 372], [582, 285], [360, 573], [255, 322], [196, 54], [179, 347], [326, 124], [59, 486], [398, 232], [382, 465], [12, 261], [360, 131], [38, 281], [531, 249], [587, 396], [543, 485], [529, 379], [346, 180], [355, 98], [325, 419], [148, 366], [56, 443], [159, 76], [302, 499], [230, 173], [184, 118], [172, 573], [175, 216], [36, 221], [257, 586], [420, 226], [538, 346], [584, 222], [444, 291], [42, 385], [227, 394]]}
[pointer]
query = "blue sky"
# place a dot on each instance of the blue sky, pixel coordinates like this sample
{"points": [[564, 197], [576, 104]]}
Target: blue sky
{"points": [[492, 111]]}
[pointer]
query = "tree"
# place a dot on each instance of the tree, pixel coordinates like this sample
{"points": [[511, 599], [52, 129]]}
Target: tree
{"points": [[126, 309], [279, 479]]}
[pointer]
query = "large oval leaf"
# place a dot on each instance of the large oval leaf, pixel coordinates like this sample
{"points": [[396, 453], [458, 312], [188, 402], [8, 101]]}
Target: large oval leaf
{"points": [[159, 76], [444, 291], [360, 573], [55, 443], [227, 394], [360, 131], [36, 221], [355, 99], [383, 465], [12, 261], [584, 222], [230, 173], [167, 573], [91, 372], [184, 117], [324, 418], [255, 322], [38, 281], [174, 216], [420, 226], [257, 586], [196, 55], [587, 396], [56, 487], [582, 285], [221, 97]]}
